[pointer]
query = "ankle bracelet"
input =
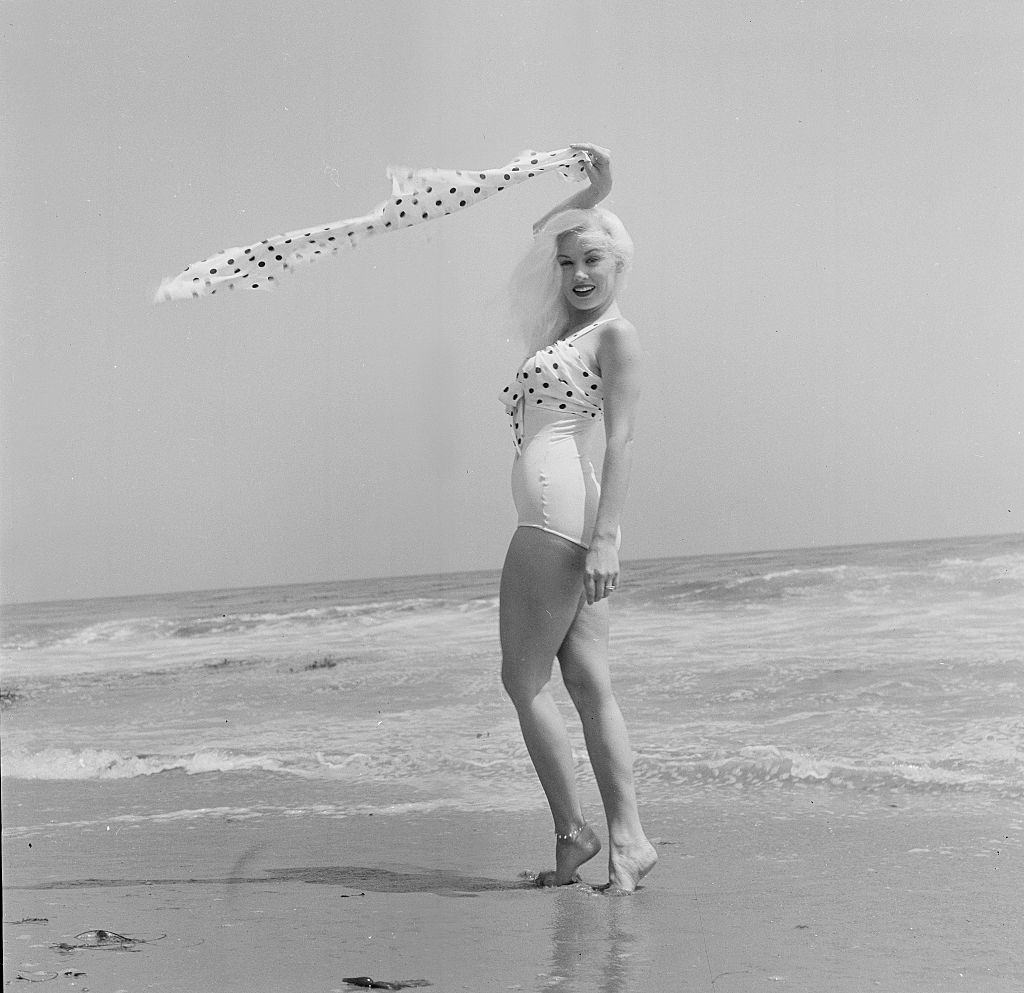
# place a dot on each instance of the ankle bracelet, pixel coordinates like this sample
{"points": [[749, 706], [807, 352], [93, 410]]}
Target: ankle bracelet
{"points": [[572, 835]]}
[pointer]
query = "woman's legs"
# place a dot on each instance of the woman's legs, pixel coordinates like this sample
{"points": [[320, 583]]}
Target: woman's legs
{"points": [[543, 616], [541, 585], [583, 657]]}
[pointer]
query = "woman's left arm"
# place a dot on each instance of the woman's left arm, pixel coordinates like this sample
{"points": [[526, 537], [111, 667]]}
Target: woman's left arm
{"points": [[619, 358], [598, 167]]}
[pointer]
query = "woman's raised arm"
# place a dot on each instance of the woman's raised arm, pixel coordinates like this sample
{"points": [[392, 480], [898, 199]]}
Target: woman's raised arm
{"points": [[599, 172]]}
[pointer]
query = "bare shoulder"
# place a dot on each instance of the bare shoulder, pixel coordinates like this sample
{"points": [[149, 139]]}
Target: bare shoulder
{"points": [[618, 339]]}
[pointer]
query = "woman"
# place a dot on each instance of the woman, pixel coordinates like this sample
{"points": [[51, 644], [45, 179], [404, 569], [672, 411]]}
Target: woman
{"points": [[562, 563]]}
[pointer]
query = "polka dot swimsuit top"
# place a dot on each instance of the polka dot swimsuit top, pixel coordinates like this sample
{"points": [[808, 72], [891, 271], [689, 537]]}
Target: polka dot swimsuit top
{"points": [[555, 378]]}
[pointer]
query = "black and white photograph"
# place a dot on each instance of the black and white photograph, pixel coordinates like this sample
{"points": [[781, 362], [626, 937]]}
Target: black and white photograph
{"points": [[512, 497]]}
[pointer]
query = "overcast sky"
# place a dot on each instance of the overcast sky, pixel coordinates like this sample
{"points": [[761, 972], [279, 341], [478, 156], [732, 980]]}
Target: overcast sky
{"points": [[826, 199]]}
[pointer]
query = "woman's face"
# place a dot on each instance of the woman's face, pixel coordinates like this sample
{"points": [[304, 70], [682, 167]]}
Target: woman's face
{"points": [[588, 269]]}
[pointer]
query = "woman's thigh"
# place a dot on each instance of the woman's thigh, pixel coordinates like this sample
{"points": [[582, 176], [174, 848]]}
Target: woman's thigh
{"points": [[541, 592]]}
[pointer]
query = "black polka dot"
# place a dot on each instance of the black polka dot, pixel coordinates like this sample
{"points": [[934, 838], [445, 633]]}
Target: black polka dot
{"points": [[262, 264], [213, 272]]}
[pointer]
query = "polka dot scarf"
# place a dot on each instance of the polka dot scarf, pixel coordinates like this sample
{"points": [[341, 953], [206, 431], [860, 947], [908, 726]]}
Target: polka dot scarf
{"points": [[417, 196]]}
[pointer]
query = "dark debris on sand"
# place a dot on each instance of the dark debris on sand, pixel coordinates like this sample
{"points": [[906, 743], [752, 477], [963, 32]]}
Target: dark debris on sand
{"points": [[102, 939], [384, 984]]}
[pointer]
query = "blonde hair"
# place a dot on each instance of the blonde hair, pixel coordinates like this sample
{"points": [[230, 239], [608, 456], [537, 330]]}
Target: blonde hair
{"points": [[537, 311]]}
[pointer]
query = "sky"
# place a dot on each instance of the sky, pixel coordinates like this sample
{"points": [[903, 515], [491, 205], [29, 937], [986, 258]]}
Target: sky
{"points": [[827, 201]]}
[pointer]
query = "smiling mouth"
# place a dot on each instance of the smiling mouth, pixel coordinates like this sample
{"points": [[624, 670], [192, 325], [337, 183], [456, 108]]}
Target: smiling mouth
{"points": [[583, 291]]}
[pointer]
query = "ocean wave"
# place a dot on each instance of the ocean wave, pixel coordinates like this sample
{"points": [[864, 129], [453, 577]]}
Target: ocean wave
{"points": [[101, 763], [757, 587], [156, 628], [862, 582], [660, 772], [997, 573], [763, 765]]}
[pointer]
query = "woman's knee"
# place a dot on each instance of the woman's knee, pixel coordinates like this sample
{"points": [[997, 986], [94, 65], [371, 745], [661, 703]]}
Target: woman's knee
{"points": [[522, 681]]}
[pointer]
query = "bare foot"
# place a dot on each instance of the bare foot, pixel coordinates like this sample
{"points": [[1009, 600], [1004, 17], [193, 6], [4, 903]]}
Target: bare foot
{"points": [[627, 865], [569, 856]]}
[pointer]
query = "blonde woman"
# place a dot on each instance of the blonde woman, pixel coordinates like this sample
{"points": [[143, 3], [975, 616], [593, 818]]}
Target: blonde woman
{"points": [[562, 564]]}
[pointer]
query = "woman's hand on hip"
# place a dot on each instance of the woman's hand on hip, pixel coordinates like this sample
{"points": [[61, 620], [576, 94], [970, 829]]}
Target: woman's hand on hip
{"points": [[601, 571]]}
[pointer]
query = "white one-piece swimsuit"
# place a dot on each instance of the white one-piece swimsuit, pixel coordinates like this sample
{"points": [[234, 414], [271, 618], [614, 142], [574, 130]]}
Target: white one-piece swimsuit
{"points": [[553, 404]]}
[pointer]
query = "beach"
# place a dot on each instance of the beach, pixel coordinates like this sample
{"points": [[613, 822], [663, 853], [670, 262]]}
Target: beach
{"points": [[284, 789], [792, 894]]}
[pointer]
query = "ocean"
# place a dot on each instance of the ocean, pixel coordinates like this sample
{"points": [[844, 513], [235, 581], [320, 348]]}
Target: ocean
{"points": [[891, 671]]}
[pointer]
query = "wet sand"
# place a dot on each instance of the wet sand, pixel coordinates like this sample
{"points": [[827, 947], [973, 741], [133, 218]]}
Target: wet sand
{"points": [[789, 890]]}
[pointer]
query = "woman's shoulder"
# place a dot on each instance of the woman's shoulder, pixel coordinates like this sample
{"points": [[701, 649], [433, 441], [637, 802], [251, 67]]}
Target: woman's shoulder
{"points": [[617, 334], [616, 326]]}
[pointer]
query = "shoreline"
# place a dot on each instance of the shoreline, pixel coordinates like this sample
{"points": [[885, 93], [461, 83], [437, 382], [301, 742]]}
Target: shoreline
{"points": [[810, 890]]}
